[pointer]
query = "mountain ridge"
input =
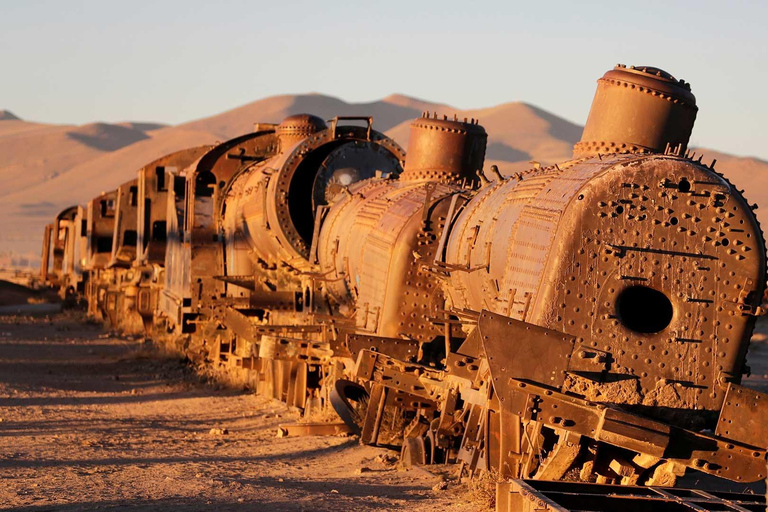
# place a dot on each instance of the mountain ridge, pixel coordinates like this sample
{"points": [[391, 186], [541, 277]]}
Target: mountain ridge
{"points": [[47, 167], [7, 115]]}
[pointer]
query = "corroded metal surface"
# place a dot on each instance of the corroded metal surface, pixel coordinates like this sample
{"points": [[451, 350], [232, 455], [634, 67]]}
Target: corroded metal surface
{"points": [[638, 109], [534, 496], [443, 150], [744, 416], [588, 320]]}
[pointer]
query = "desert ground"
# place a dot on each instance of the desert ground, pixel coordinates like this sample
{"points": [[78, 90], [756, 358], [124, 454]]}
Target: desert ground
{"points": [[89, 421]]}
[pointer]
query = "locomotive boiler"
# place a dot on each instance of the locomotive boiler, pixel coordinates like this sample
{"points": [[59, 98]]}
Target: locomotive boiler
{"points": [[586, 320]]}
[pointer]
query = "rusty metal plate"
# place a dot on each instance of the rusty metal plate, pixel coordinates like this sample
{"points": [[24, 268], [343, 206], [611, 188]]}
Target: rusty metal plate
{"points": [[716, 456], [613, 426], [522, 351], [634, 432], [553, 496], [287, 349], [464, 367], [403, 349], [366, 363], [313, 429], [744, 416]]}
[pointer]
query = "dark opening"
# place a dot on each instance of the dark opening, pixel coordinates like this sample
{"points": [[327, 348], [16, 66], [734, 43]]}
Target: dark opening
{"points": [[133, 193], [129, 237], [179, 186], [159, 231], [204, 184], [104, 244], [307, 190], [301, 189], [84, 227], [644, 309], [145, 233], [107, 208], [684, 185], [160, 174]]}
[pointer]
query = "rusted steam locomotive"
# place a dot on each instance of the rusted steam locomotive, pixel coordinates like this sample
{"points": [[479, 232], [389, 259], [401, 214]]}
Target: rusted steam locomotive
{"points": [[588, 320]]}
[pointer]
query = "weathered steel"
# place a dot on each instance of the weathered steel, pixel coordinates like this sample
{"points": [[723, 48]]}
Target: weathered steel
{"points": [[543, 496], [744, 416], [443, 150], [312, 429], [523, 351], [638, 108]]}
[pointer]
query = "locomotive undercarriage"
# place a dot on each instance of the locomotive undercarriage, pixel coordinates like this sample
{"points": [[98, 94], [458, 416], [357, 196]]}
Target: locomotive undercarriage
{"points": [[450, 412]]}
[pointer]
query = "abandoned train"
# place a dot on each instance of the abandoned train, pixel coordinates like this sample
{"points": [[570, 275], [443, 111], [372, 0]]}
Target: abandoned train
{"points": [[589, 319]]}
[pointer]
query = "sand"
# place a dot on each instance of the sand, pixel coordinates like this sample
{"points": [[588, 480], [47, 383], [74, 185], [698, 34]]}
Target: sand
{"points": [[93, 422]]}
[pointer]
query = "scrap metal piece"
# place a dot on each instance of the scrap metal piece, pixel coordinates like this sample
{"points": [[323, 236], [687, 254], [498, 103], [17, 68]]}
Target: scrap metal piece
{"points": [[297, 350], [402, 349], [414, 452], [553, 496], [374, 414], [522, 351], [345, 392], [559, 461], [312, 429], [744, 416]]}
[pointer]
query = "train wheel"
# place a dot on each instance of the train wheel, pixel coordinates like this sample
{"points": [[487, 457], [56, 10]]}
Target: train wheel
{"points": [[348, 399], [414, 452]]}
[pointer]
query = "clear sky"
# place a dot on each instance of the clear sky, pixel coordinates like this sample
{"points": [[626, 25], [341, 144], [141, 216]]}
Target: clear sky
{"points": [[173, 61]]}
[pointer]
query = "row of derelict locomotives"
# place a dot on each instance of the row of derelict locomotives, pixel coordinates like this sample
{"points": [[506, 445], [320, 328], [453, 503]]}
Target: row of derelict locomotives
{"points": [[581, 322]]}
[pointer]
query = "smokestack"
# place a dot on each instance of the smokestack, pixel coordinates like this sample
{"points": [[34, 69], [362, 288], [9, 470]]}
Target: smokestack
{"points": [[444, 150], [638, 109], [297, 128]]}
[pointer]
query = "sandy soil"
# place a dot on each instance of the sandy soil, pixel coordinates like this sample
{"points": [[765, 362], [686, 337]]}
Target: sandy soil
{"points": [[92, 422]]}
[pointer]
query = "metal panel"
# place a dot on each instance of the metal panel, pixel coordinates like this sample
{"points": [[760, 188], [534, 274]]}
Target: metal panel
{"points": [[744, 416], [522, 351], [540, 496]]}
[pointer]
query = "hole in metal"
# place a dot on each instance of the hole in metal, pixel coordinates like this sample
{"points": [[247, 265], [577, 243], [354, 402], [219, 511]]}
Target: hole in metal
{"points": [[644, 309]]}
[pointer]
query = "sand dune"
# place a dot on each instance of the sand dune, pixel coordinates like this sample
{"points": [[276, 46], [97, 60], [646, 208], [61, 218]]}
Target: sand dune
{"points": [[30, 154], [240, 120], [107, 171], [34, 153], [517, 132], [46, 168], [106, 137], [144, 127]]}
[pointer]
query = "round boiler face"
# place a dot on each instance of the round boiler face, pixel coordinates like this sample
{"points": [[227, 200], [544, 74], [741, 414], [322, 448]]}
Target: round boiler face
{"points": [[662, 255], [348, 164], [650, 259]]}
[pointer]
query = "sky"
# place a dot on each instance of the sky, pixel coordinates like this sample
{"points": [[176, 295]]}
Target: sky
{"points": [[82, 61]]}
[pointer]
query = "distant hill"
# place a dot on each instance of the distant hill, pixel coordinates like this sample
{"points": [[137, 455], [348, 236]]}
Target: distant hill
{"points": [[46, 168], [33, 153], [7, 115]]}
